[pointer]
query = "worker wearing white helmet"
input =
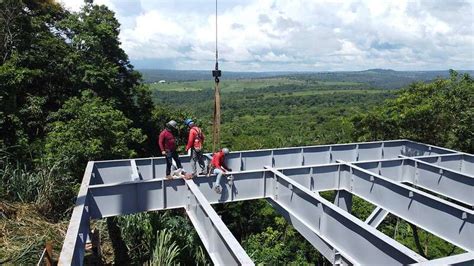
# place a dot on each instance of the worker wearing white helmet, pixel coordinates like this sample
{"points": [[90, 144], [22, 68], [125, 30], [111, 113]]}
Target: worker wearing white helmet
{"points": [[219, 167]]}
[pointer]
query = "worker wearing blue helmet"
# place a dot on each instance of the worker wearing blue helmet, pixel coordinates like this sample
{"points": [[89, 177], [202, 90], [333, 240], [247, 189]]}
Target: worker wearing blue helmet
{"points": [[195, 145]]}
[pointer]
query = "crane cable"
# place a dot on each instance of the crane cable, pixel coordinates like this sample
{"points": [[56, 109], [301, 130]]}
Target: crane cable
{"points": [[216, 126]]}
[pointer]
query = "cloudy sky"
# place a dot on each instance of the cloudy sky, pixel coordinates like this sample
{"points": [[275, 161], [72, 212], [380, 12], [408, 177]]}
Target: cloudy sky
{"points": [[300, 35]]}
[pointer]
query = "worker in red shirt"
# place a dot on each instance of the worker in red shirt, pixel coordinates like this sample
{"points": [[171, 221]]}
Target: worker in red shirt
{"points": [[219, 167], [167, 143], [194, 146]]}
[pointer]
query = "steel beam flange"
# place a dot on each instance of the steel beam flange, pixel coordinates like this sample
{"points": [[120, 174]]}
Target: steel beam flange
{"points": [[219, 242], [72, 252], [447, 220], [356, 241], [444, 181], [465, 259], [376, 217]]}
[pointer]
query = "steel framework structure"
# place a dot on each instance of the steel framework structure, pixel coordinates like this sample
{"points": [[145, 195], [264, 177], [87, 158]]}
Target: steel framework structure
{"points": [[429, 186]]}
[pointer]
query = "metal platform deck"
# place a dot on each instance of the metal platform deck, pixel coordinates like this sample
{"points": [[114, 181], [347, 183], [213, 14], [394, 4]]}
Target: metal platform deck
{"points": [[429, 186]]}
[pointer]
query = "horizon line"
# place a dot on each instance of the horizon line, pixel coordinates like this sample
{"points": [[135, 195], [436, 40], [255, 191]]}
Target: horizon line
{"points": [[304, 71]]}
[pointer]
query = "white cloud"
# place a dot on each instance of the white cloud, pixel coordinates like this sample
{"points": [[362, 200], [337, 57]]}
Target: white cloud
{"points": [[315, 35]]}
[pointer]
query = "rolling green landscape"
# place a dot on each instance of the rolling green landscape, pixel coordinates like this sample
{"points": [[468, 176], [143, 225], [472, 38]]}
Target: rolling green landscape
{"points": [[239, 85], [296, 112], [69, 94]]}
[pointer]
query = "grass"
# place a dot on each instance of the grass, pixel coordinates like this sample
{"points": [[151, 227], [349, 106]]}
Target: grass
{"points": [[241, 84], [24, 233], [320, 92]]}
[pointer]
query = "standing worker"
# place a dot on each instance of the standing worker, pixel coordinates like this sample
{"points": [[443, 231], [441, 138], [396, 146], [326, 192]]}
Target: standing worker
{"points": [[195, 143], [219, 167], [167, 143]]}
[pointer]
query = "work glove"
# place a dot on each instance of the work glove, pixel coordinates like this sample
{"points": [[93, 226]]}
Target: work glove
{"points": [[189, 152]]}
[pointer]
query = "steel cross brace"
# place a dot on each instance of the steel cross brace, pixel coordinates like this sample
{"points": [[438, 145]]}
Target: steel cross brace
{"points": [[331, 226], [376, 217]]}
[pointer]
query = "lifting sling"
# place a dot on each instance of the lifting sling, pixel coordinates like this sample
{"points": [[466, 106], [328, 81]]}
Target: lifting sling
{"points": [[216, 125]]}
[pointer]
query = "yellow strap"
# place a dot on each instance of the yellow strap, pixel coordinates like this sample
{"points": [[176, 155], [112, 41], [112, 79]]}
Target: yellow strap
{"points": [[216, 126]]}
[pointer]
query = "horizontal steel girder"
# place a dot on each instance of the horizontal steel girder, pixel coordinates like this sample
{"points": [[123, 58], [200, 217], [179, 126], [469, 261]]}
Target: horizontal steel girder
{"points": [[309, 234], [440, 180], [221, 245], [117, 171], [355, 240], [440, 217], [465, 259], [460, 162], [446, 181], [448, 220]]}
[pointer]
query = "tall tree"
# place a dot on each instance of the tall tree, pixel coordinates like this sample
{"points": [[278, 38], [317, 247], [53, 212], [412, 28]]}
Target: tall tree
{"points": [[102, 64], [33, 70], [49, 55]]}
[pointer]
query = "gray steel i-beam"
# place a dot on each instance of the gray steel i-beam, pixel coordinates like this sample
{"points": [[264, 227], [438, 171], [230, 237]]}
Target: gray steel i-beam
{"points": [[356, 241], [309, 234], [447, 220], [408, 203], [125, 170], [465, 259], [219, 242], [376, 217], [72, 252], [444, 181], [460, 162]]}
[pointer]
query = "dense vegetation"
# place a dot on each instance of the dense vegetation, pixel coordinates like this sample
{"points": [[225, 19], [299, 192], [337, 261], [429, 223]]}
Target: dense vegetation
{"points": [[68, 94], [375, 78], [298, 113]]}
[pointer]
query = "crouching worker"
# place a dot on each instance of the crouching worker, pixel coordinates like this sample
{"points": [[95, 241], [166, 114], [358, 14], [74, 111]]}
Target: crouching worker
{"points": [[219, 167], [195, 143], [167, 144]]}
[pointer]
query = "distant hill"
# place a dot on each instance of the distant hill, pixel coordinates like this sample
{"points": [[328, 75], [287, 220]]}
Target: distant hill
{"points": [[378, 78], [155, 75]]}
